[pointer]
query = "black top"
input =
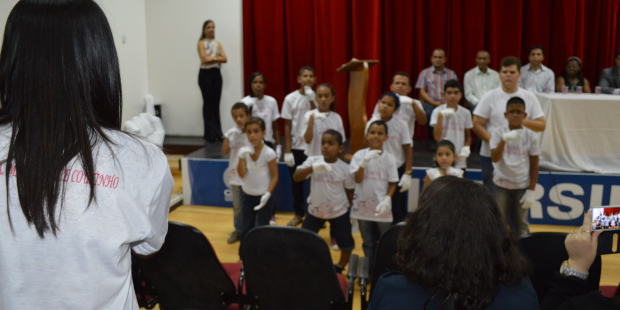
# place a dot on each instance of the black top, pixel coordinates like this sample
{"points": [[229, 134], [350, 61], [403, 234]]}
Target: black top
{"points": [[568, 293]]}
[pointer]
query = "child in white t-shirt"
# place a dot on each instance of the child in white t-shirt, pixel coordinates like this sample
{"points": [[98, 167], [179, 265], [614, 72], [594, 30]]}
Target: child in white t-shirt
{"points": [[266, 108], [294, 108], [410, 110], [453, 122], [258, 169], [234, 140], [398, 144], [444, 159], [375, 175], [331, 192], [514, 152], [324, 117]]}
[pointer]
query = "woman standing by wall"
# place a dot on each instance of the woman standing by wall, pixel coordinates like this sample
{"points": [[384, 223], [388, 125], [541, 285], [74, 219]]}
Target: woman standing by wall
{"points": [[212, 56]]}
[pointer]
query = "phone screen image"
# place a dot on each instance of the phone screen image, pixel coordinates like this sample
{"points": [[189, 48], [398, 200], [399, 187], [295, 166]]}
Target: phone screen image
{"points": [[606, 218]]}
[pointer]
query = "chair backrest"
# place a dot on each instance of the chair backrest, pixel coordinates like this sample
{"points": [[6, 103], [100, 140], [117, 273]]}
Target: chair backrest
{"points": [[384, 257], [609, 242], [546, 252], [186, 272], [289, 268]]}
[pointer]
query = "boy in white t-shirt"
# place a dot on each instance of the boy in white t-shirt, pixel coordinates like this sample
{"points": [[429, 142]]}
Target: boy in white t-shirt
{"points": [[398, 144], [452, 122], [234, 140], [258, 169], [514, 152], [410, 110], [331, 192], [266, 108], [294, 108], [375, 175]]}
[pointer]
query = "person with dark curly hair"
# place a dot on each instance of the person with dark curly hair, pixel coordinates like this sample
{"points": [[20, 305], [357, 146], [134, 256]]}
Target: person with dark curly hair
{"points": [[456, 252]]}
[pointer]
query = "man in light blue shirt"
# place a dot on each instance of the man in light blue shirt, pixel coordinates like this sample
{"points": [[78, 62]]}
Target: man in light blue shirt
{"points": [[535, 76]]}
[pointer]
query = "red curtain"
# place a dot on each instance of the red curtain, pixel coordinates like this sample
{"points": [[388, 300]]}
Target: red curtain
{"points": [[280, 36]]}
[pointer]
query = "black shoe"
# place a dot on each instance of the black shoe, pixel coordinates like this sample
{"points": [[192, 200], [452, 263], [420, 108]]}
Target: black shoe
{"points": [[234, 237], [338, 268]]}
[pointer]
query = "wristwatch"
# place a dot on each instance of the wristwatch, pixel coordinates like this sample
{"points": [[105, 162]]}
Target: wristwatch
{"points": [[567, 271]]}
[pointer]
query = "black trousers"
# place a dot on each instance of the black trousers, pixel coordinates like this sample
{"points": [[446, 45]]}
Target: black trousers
{"points": [[210, 82], [299, 194]]}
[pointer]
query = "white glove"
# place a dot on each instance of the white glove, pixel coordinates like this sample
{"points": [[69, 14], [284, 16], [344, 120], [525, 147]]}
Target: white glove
{"points": [[528, 199], [289, 159], [370, 155], [447, 112], [245, 152], [308, 92], [320, 115], [405, 182], [231, 132], [321, 167], [278, 151], [384, 206], [513, 135], [263, 201], [465, 151]]}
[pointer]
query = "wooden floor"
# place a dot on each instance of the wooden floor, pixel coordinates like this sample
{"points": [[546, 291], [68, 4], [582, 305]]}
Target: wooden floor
{"points": [[216, 224]]}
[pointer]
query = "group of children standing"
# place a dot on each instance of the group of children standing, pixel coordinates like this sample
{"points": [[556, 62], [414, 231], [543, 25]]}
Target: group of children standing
{"points": [[371, 188]]}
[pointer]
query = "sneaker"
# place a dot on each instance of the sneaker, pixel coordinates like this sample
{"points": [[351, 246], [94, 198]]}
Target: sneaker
{"points": [[338, 268], [335, 246], [234, 237], [272, 221], [297, 220]]}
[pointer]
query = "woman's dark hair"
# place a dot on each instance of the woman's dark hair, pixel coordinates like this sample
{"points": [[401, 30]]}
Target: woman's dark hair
{"points": [[448, 144], [457, 245], [579, 74], [393, 96], [378, 123], [204, 25], [57, 99], [334, 133], [331, 88], [252, 77], [241, 106], [254, 121]]}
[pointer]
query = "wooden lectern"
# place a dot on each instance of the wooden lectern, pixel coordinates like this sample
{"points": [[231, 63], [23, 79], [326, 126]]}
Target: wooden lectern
{"points": [[358, 89]]}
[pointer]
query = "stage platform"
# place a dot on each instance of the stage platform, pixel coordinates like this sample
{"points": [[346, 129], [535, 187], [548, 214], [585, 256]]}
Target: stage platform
{"points": [[562, 197]]}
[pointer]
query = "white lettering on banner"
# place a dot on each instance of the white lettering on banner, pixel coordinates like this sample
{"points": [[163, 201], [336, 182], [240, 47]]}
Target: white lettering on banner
{"points": [[596, 195], [614, 197], [536, 210], [575, 205]]}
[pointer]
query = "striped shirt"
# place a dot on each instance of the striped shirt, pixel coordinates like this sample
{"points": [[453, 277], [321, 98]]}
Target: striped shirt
{"points": [[432, 81]]}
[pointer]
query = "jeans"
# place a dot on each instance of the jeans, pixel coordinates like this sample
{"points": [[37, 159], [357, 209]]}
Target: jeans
{"points": [[486, 165], [236, 192], [253, 218], [371, 233], [508, 201]]}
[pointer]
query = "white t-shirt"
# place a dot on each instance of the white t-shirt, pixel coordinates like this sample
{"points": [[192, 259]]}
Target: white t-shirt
{"points": [[265, 108], [512, 171], [328, 198], [256, 180], [237, 140], [434, 173], [294, 109], [493, 105], [87, 265], [377, 176], [454, 129], [397, 137], [332, 121], [405, 112]]}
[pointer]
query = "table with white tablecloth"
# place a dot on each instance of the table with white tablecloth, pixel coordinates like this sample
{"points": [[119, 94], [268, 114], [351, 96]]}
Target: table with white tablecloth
{"points": [[582, 132]]}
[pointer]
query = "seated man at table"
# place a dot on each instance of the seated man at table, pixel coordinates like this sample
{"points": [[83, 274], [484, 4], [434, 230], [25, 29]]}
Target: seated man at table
{"points": [[489, 113], [610, 77], [481, 79], [535, 76]]}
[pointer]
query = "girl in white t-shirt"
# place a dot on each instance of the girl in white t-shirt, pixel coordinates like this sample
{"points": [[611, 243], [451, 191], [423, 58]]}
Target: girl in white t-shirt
{"points": [[375, 175], [265, 107], [258, 169], [445, 157], [331, 192], [235, 139], [324, 117]]}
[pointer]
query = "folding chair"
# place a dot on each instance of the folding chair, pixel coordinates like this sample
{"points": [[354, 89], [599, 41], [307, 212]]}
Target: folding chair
{"points": [[546, 252], [186, 273], [290, 268]]}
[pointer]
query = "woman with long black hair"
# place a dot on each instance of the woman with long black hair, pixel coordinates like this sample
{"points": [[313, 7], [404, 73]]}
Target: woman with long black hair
{"points": [[77, 195], [212, 57]]}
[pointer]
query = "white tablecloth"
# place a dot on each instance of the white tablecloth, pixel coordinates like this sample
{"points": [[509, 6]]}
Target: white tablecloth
{"points": [[582, 133]]}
